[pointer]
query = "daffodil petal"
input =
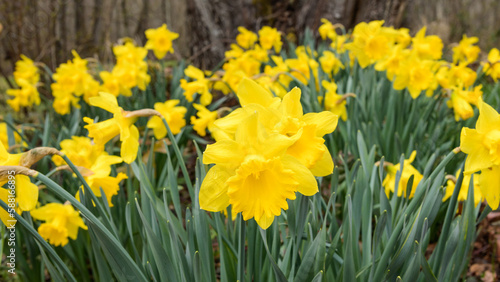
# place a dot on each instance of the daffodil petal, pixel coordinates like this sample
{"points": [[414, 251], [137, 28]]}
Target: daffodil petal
{"points": [[158, 127], [26, 193], [478, 157], [291, 105], [130, 145], [488, 119], [4, 215], [224, 151], [307, 183], [325, 122], [213, 192], [489, 183], [250, 92], [323, 166], [105, 101], [265, 221]]}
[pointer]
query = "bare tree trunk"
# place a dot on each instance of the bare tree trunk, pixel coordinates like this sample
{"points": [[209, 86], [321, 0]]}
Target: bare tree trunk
{"points": [[62, 39], [164, 11], [19, 5], [96, 25], [125, 16], [143, 21], [53, 28], [36, 28], [80, 30]]}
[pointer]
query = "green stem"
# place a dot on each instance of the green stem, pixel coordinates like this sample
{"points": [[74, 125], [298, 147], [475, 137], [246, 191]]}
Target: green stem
{"points": [[180, 159]]}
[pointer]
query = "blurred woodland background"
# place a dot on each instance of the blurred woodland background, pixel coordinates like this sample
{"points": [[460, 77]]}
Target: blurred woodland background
{"points": [[47, 30]]}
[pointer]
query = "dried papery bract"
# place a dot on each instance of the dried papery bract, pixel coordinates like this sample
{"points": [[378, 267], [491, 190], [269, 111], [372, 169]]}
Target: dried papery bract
{"points": [[34, 155]]}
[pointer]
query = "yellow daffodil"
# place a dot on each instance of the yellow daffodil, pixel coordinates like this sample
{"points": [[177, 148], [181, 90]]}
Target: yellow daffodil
{"points": [[26, 76], [26, 96], [130, 70], [160, 41], [334, 102], [270, 37], [301, 66], [483, 148], [466, 51], [80, 150], [408, 171], [94, 165], [427, 47], [461, 101], [464, 189], [339, 44], [309, 149], [199, 85], [269, 144], [61, 222], [456, 75], [98, 177], [246, 39], [258, 53], [173, 114], [111, 83], [370, 43], [72, 81], [492, 66], [392, 63], [205, 119], [327, 30], [120, 124], [416, 75], [26, 71], [235, 52], [400, 37], [330, 63], [253, 174]]}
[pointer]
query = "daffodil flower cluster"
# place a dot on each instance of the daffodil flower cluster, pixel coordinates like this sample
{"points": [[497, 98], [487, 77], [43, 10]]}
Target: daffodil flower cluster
{"points": [[94, 165], [265, 152], [62, 221], [131, 70], [72, 81], [416, 63], [26, 76], [246, 58]]}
